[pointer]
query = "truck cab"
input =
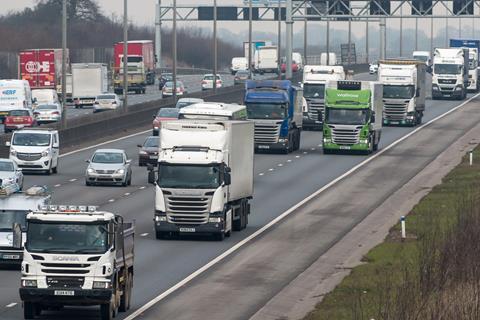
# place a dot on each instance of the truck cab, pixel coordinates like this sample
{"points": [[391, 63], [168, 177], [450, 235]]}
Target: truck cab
{"points": [[473, 46], [353, 120], [450, 73], [403, 91], [76, 255], [275, 107], [314, 80]]}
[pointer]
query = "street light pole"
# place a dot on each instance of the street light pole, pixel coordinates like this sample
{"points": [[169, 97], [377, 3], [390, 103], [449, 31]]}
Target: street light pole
{"points": [[289, 29], [250, 49], [174, 48], [279, 49], [125, 55], [64, 64], [214, 45], [158, 34]]}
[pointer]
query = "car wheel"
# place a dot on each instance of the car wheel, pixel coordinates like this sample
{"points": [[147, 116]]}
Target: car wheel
{"points": [[130, 180], [55, 170], [88, 184]]}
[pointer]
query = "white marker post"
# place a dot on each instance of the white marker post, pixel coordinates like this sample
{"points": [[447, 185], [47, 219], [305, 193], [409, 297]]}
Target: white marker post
{"points": [[470, 153], [402, 222]]}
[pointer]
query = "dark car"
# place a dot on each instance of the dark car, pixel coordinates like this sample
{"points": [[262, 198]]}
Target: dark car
{"points": [[164, 78], [241, 76], [148, 152]]}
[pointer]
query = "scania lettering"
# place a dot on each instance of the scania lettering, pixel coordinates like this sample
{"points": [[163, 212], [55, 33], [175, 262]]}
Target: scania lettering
{"points": [[77, 256], [450, 73], [353, 119], [275, 106], [204, 181], [403, 91]]}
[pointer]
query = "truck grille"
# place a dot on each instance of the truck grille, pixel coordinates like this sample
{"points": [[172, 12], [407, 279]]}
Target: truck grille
{"points": [[394, 112], [267, 133], [345, 135], [188, 209], [29, 156], [66, 268], [65, 282], [315, 111]]}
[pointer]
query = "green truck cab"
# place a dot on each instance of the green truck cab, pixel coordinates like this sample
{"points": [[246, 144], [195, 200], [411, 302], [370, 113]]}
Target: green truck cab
{"points": [[353, 116]]}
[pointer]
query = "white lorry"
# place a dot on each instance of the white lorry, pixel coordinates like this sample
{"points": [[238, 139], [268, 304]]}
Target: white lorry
{"points": [[77, 256], [314, 80], [450, 73], [89, 81], [238, 63], [205, 177], [423, 56], [14, 208], [404, 91], [266, 60], [473, 73]]}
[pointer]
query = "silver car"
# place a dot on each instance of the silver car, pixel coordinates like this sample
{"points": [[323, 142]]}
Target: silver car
{"points": [[11, 175], [109, 166], [108, 101], [45, 113]]}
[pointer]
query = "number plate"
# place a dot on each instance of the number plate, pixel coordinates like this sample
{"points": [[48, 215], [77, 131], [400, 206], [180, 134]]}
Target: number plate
{"points": [[11, 256], [394, 122], [154, 157], [263, 147], [64, 293], [344, 148], [187, 229]]}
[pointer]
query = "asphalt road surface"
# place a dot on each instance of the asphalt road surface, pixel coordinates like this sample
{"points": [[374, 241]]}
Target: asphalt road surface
{"points": [[281, 181]]}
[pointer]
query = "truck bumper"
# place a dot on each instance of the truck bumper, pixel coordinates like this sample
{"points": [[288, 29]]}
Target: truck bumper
{"points": [[11, 257], [79, 297], [439, 93], [408, 120], [206, 228], [271, 147], [360, 147]]}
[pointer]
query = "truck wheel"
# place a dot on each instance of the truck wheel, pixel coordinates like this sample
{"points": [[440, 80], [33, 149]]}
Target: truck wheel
{"points": [[127, 294], [106, 311], [160, 235], [55, 169], [219, 236], [242, 222], [30, 310]]}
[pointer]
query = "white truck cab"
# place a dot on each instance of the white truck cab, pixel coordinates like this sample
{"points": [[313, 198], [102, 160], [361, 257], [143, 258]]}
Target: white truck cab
{"points": [[423, 56], [213, 110], [35, 149], [450, 73]]}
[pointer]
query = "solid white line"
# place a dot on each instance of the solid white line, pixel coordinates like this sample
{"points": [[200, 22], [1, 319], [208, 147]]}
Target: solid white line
{"points": [[73, 180], [240, 244], [144, 234], [10, 305]]}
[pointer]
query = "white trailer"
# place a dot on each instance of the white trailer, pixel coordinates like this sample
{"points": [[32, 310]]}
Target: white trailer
{"points": [[205, 177], [77, 256], [266, 60], [404, 91], [89, 81]]}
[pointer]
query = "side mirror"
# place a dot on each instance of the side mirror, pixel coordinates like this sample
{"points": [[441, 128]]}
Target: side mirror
{"points": [[128, 161], [7, 144], [151, 176], [139, 145], [17, 236], [227, 178], [87, 161], [417, 93]]}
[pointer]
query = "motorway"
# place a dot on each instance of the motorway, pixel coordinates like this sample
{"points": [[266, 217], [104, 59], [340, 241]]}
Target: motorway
{"points": [[281, 181]]}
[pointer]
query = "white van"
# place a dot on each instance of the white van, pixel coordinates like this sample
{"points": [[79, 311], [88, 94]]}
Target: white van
{"points": [[44, 96], [14, 94], [239, 63], [35, 149], [297, 57]]}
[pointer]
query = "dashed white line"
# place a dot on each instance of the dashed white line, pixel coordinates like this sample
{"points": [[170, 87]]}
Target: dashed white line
{"points": [[289, 160], [57, 185], [261, 174], [271, 169], [73, 180], [297, 157], [10, 305], [127, 194], [142, 187], [313, 149], [305, 152], [144, 234], [111, 200], [280, 164]]}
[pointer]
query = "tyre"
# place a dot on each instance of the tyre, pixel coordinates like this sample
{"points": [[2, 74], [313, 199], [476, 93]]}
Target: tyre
{"points": [[55, 170], [88, 184], [127, 294], [129, 181], [375, 143], [30, 310], [107, 311], [219, 236], [160, 235]]}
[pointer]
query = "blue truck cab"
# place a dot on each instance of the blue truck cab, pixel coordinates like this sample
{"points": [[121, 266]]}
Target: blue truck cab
{"points": [[275, 107]]}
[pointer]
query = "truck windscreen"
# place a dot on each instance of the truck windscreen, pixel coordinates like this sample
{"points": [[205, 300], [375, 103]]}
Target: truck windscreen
{"points": [[61, 237], [421, 58], [269, 111], [398, 92], [347, 116], [189, 176], [313, 91], [9, 217], [447, 69]]}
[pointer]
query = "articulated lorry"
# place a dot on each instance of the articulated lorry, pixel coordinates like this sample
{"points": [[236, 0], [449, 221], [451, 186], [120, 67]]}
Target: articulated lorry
{"points": [[89, 80], [204, 180], [450, 73], [77, 256], [353, 119], [314, 80], [473, 52], [14, 207], [275, 106], [404, 91]]}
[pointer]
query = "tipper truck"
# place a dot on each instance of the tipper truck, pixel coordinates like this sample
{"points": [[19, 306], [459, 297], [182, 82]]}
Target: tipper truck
{"points": [[89, 80], [314, 80], [204, 180], [353, 119], [140, 66], [77, 256], [14, 207], [275, 106], [450, 73], [473, 56], [403, 91]]}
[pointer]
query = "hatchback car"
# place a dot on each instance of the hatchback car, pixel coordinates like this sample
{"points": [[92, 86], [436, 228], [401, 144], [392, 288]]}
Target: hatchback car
{"points": [[164, 114], [241, 76], [185, 102], [164, 78], [11, 176], [207, 82], [105, 102], [148, 152], [46, 113], [18, 119], [109, 166], [167, 90]]}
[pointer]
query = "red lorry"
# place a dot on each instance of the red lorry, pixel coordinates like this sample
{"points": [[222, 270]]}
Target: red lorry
{"points": [[140, 63], [42, 68]]}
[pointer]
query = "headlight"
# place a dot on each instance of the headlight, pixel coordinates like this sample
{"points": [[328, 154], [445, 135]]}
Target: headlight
{"points": [[435, 87], [215, 220], [101, 285], [45, 153], [458, 88], [121, 171], [160, 218], [142, 152], [29, 283], [13, 152], [90, 170], [363, 140], [326, 140]]}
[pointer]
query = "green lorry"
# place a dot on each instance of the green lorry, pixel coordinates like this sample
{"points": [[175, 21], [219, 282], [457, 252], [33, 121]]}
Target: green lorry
{"points": [[353, 116]]}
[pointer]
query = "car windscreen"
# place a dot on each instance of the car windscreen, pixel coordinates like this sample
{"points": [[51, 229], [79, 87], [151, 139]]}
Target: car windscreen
{"points": [[168, 113], [313, 90], [31, 139], [151, 142], [266, 111], [210, 77], [6, 166], [19, 113], [189, 176], [107, 157]]}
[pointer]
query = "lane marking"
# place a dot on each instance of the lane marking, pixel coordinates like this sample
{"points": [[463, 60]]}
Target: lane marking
{"points": [[261, 174], [142, 187], [297, 157], [280, 165], [271, 169], [111, 200], [305, 152], [127, 194], [286, 213], [144, 234], [57, 185], [73, 180], [289, 160], [10, 305]]}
